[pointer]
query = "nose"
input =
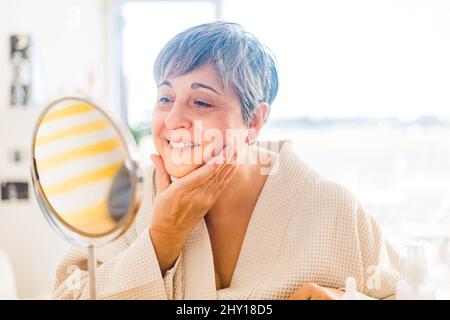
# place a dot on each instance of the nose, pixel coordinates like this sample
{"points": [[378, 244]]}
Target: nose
{"points": [[177, 117]]}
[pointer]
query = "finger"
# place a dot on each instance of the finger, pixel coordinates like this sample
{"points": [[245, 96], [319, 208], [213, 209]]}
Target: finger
{"points": [[305, 292], [225, 179], [203, 174], [219, 176], [198, 177], [312, 291], [322, 295], [224, 156], [317, 292], [221, 180], [230, 159], [300, 295], [162, 177]]}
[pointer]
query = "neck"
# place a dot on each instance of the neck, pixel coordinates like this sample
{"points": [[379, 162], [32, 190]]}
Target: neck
{"points": [[243, 190]]}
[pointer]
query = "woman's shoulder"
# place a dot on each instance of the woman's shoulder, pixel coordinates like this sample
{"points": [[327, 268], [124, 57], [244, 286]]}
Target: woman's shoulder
{"points": [[312, 190], [322, 205]]}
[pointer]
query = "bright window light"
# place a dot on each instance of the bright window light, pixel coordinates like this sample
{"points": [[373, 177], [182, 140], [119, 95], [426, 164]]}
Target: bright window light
{"points": [[364, 90]]}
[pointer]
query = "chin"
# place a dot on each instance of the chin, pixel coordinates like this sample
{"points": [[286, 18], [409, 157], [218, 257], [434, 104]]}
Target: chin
{"points": [[179, 171]]}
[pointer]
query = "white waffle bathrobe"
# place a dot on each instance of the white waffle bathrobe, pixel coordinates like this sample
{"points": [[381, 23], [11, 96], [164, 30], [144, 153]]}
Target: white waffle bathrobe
{"points": [[304, 228]]}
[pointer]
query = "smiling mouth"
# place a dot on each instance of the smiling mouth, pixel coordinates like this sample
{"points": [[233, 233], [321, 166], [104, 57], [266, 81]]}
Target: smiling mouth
{"points": [[182, 145]]}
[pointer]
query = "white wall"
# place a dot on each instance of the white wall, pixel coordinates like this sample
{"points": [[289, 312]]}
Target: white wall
{"points": [[33, 248], [69, 45], [69, 57]]}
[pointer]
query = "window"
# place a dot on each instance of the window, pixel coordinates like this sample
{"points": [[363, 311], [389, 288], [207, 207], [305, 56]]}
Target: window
{"points": [[364, 97], [148, 25], [363, 90]]}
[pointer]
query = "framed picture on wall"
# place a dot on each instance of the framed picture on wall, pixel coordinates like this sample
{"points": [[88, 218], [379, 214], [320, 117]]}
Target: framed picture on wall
{"points": [[14, 190]]}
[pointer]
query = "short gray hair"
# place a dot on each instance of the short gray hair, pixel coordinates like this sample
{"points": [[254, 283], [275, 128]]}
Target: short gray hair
{"points": [[242, 62]]}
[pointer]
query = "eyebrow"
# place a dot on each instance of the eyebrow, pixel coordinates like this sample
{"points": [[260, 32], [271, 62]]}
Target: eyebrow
{"points": [[197, 85], [165, 83], [194, 86]]}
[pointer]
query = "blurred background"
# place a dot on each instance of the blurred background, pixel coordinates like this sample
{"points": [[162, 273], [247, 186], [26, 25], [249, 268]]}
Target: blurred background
{"points": [[364, 96]]}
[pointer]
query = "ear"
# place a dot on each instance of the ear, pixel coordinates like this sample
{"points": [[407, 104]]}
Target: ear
{"points": [[257, 121]]}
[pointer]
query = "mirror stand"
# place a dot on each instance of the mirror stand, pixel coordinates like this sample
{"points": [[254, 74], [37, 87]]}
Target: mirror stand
{"points": [[92, 266]]}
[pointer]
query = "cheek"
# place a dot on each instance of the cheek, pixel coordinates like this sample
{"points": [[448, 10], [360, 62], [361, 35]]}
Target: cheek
{"points": [[213, 136], [157, 128], [226, 131]]}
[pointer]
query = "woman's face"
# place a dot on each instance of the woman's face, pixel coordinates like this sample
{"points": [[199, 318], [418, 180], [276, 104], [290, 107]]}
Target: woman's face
{"points": [[193, 118]]}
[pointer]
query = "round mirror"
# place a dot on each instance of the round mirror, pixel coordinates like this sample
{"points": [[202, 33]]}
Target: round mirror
{"points": [[84, 172]]}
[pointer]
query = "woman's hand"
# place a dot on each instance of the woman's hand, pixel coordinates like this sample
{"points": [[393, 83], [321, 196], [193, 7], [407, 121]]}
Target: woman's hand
{"points": [[179, 206], [312, 291]]}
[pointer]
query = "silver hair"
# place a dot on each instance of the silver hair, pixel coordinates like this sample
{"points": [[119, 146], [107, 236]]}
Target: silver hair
{"points": [[242, 62]]}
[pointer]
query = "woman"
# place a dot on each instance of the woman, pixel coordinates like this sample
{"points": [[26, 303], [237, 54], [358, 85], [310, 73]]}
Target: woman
{"points": [[223, 217]]}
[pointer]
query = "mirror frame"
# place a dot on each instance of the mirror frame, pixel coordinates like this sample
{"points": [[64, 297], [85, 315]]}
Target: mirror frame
{"points": [[70, 233]]}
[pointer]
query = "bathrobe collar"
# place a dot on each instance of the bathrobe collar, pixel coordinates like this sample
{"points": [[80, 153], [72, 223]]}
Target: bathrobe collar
{"points": [[256, 258]]}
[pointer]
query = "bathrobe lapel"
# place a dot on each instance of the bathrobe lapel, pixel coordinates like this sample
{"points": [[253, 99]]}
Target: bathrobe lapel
{"points": [[257, 256], [198, 265]]}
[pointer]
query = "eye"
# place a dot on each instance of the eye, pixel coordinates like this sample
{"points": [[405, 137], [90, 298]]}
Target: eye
{"points": [[164, 99], [202, 104]]}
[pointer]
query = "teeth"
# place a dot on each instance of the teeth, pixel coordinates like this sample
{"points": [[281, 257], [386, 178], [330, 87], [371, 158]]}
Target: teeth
{"points": [[182, 144]]}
